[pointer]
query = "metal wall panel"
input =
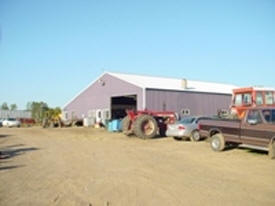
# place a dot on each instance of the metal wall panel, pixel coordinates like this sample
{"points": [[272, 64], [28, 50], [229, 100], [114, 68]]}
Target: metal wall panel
{"points": [[198, 103]]}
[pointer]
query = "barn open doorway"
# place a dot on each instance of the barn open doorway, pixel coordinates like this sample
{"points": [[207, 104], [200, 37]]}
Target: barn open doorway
{"points": [[120, 104]]}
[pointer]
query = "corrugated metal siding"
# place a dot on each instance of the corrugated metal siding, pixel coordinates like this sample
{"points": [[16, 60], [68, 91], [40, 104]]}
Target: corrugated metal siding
{"points": [[198, 103], [15, 114], [98, 96]]}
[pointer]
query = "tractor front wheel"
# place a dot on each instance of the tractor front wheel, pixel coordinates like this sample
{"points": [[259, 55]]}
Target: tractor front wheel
{"points": [[145, 127]]}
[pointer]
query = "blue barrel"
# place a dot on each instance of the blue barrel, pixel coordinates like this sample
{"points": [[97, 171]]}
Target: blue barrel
{"points": [[110, 126], [115, 125]]}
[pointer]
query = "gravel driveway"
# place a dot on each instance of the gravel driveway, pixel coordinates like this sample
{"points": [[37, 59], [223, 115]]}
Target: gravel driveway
{"points": [[84, 166]]}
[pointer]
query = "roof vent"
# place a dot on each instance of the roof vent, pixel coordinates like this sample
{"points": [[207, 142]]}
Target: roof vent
{"points": [[184, 84]]}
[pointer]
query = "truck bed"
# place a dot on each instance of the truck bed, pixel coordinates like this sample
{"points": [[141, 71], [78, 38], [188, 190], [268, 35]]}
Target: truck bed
{"points": [[231, 128]]}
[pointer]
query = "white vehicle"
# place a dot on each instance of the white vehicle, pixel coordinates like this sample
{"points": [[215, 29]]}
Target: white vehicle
{"points": [[11, 122]]}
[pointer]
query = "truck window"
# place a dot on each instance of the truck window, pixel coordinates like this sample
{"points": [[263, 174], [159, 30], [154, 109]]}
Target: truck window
{"points": [[272, 116], [259, 98], [254, 115], [269, 115], [269, 98]]}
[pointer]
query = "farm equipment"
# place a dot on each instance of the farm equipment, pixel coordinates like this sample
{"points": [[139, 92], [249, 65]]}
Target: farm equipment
{"points": [[147, 124], [52, 118], [251, 97]]}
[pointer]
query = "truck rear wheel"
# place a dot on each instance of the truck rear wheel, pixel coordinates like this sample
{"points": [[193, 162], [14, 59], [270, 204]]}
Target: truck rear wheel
{"points": [[126, 126], [145, 127], [271, 150], [217, 142]]}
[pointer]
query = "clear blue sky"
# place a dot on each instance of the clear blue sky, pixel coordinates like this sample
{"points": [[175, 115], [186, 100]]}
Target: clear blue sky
{"points": [[50, 50]]}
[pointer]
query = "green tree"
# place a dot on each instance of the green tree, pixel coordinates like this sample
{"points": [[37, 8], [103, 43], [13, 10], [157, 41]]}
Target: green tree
{"points": [[13, 107], [5, 106], [29, 106], [38, 110]]}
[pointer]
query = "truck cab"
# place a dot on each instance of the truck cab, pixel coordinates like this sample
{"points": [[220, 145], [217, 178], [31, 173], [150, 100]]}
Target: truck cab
{"points": [[258, 127]]}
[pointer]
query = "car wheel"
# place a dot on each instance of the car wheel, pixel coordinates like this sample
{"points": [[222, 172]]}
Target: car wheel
{"points": [[217, 142], [271, 150], [195, 136]]}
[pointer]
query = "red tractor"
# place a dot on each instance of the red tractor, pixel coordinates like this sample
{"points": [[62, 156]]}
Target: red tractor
{"points": [[147, 124]]}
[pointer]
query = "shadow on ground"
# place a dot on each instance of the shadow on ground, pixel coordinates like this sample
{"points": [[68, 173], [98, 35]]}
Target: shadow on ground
{"points": [[10, 167], [11, 151], [4, 135], [254, 151]]}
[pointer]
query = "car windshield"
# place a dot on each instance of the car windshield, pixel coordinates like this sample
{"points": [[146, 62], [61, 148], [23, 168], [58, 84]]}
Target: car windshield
{"points": [[11, 119], [187, 120], [269, 115]]}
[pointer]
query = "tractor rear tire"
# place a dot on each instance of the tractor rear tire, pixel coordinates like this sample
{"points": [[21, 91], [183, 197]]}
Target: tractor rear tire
{"points": [[126, 126], [145, 127]]}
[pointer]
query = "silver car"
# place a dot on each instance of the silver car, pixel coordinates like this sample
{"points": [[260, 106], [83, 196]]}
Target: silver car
{"points": [[187, 128]]}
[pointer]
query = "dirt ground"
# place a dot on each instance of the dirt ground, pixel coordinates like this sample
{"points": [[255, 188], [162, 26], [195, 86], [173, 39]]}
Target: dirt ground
{"points": [[84, 166]]}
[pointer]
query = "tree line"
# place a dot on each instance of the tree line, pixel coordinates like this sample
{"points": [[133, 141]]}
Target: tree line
{"points": [[5, 106], [39, 110]]}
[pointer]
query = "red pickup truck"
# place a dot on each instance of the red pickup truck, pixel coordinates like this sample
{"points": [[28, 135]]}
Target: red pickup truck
{"points": [[256, 130]]}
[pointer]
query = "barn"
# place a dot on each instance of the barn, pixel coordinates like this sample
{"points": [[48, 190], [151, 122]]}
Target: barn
{"points": [[112, 93]]}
